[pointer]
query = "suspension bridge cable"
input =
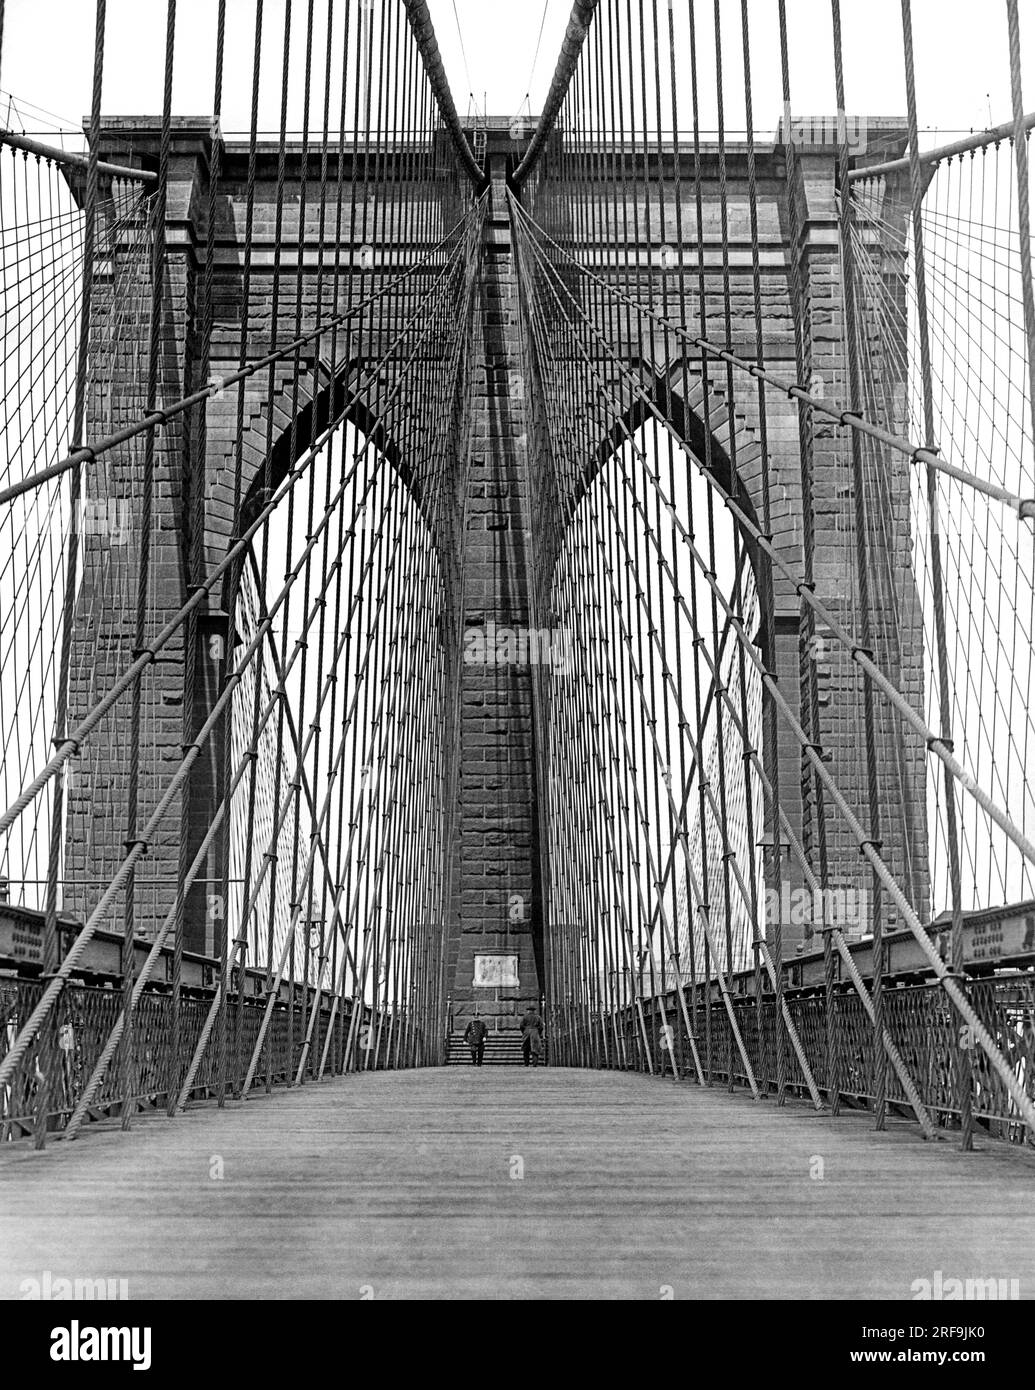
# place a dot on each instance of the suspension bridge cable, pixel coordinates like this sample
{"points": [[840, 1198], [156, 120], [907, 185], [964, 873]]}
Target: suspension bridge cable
{"points": [[980, 1033], [858, 654], [535, 55], [18, 1047], [1025, 507]]}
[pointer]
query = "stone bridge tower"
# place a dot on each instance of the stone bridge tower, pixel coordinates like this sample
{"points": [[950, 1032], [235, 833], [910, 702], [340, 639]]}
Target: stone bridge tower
{"points": [[497, 922]]}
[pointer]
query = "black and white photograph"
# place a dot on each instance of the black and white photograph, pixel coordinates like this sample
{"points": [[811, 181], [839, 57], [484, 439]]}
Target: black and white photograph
{"points": [[517, 692]]}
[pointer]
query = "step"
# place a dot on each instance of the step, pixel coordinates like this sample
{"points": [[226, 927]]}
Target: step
{"points": [[501, 1050]]}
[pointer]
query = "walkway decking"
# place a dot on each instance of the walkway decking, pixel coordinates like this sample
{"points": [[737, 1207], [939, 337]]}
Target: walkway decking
{"points": [[404, 1185]]}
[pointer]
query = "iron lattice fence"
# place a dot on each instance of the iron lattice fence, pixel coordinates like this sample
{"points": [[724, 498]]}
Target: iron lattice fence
{"points": [[67, 1051], [920, 1021]]}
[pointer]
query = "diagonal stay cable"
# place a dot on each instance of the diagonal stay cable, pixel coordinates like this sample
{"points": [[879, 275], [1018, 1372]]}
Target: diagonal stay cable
{"points": [[139, 848], [73, 741], [159, 419], [877, 863], [1025, 507], [837, 630]]}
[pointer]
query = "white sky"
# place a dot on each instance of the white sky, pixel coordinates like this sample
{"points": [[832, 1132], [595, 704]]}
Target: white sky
{"points": [[963, 71]]}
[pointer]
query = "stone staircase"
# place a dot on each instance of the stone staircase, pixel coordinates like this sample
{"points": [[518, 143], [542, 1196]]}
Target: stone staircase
{"points": [[501, 1050]]}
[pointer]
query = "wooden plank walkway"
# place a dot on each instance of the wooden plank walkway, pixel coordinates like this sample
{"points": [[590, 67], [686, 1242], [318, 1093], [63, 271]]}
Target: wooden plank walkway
{"points": [[410, 1185]]}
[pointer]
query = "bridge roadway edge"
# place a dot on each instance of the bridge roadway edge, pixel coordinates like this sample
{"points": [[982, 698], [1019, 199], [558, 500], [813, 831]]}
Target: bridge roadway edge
{"points": [[504, 1184]]}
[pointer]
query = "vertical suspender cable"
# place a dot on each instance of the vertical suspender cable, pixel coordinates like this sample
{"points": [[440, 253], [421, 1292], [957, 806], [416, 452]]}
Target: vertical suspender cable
{"points": [[1020, 154], [50, 939], [863, 572], [965, 1083], [807, 643], [158, 267], [195, 559]]}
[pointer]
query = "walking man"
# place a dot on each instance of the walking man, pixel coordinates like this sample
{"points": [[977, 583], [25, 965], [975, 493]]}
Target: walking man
{"points": [[474, 1036], [531, 1036]]}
